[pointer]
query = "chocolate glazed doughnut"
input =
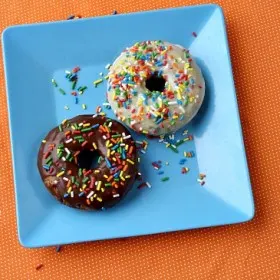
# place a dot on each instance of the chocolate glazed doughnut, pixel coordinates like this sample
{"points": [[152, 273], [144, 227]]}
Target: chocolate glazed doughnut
{"points": [[88, 162]]}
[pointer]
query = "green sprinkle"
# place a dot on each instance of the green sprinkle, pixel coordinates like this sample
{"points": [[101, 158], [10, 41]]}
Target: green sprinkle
{"points": [[164, 179], [86, 129], [116, 135], [60, 128], [62, 91], [173, 149], [73, 179], [84, 106], [108, 184], [80, 172], [54, 82], [179, 143], [48, 160], [59, 155], [74, 84], [85, 179], [77, 184]]}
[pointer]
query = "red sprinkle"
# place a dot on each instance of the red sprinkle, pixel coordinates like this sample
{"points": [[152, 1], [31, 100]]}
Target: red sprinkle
{"points": [[194, 34], [39, 266]]}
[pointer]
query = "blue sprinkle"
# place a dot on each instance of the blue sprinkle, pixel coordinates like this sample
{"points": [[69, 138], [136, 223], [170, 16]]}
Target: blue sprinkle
{"points": [[160, 172], [115, 147], [76, 100], [46, 167], [95, 126], [117, 174], [108, 162], [182, 161], [66, 195], [81, 194]]}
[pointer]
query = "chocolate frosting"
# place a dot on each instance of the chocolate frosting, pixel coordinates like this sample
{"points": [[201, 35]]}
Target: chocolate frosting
{"points": [[69, 147]]}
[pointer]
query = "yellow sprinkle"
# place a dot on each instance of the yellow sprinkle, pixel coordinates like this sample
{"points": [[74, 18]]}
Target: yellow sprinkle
{"points": [[98, 185], [191, 99], [122, 178], [95, 195], [73, 127], [102, 114], [107, 143], [94, 146], [99, 199], [91, 198], [130, 161], [84, 186], [126, 147], [121, 174], [86, 124], [69, 190], [60, 174], [110, 145], [113, 152], [127, 176], [185, 154], [64, 121], [97, 82], [145, 131], [105, 176], [167, 145], [114, 159], [102, 189], [96, 171]]}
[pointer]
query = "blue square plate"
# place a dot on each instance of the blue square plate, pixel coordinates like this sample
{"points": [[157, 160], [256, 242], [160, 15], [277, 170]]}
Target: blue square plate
{"points": [[36, 53]]}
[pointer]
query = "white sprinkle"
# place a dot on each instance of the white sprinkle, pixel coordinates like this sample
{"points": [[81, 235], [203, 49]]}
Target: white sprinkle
{"points": [[67, 72], [127, 137], [72, 194], [182, 109], [116, 195], [148, 184], [69, 140], [199, 180], [185, 132], [94, 116], [133, 122], [65, 179], [96, 182], [104, 137], [110, 124], [90, 194], [122, 144], [101, 74], [106, 104], [108, 66], [55, 182], [139, 174], [81, 124], [67, 151], [172, 102], [63, 158]]}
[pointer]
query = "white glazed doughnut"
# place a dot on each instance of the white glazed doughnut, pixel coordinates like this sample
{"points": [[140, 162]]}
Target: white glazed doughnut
{"points": [[155, 87]]}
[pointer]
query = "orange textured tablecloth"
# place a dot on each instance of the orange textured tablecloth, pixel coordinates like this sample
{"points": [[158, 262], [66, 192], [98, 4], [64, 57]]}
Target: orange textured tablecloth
{"points": [[245, 251]]}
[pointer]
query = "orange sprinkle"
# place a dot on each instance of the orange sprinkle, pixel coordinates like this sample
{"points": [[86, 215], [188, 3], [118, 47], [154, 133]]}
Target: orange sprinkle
{"points": [[69, 172], [125, 167], [110, 178], [67, 133], [76, 153], [130, 149]]}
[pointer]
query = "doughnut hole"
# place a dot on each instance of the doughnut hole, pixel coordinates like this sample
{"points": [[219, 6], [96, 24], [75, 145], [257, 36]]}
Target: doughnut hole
{"points": [[155, 82], [87, 159]]}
